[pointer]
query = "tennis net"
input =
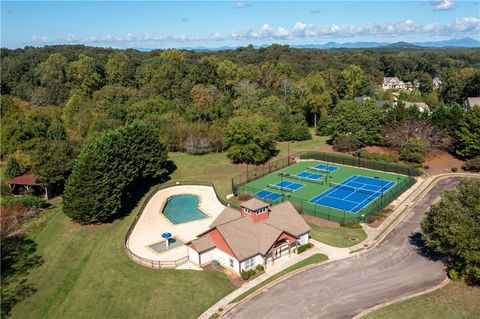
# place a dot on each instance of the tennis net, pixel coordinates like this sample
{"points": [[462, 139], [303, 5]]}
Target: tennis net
{"points": [[300, 178], [314, 169], [357, 189], [279, 188]]}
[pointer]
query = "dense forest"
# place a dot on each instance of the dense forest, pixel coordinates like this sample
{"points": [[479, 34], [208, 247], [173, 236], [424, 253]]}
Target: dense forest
{"points": [[58, 100]]}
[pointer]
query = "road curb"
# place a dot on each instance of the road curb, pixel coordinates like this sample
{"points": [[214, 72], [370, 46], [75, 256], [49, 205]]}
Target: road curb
{"points": [[420, 293]]}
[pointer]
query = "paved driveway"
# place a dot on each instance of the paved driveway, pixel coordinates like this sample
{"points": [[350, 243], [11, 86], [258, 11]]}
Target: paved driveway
{"points": [[397, 267]]}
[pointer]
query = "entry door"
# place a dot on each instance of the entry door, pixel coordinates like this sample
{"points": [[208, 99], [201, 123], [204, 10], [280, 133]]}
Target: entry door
{"points": [[277, 253]]}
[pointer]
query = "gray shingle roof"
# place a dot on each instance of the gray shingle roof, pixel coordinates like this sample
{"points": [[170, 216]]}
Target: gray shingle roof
{"points": [[203, 243], [254, 204], [247, 239], [227, 215]]}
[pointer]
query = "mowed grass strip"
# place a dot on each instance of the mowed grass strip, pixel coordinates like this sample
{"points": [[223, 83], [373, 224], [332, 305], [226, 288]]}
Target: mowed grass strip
{"points": [[338, 237], [86, 273], [454, 301], [314, 259]]}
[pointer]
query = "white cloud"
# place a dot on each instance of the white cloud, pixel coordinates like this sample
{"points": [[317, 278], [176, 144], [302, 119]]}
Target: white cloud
{"points": [[239, 5], [39, 39], [467, 26], [442, 5]]}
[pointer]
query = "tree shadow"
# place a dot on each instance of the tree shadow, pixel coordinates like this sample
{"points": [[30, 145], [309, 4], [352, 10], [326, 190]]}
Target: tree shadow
{"points": [[134, 193], [18, 258], [416, 240]]}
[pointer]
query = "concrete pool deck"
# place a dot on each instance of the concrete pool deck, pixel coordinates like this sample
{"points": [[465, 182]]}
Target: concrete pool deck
{"points": [[152, 224]]}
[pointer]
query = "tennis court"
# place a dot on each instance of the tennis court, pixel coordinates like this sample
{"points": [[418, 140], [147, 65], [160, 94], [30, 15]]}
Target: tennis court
{"points": [[308, 175], [287, 186], [317, 193], [268, 195], [353, 194], [325, 168]]}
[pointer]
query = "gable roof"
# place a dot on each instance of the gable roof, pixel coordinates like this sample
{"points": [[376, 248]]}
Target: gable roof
{"points": [[254, 204], [247, 239], [284, 216], [26, 179], [227, 215], [203, 243], [472, 101], [391, 80]]}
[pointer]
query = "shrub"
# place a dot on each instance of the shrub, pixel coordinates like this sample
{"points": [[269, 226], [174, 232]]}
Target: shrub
{"points": [[245, 274], [472, 165], [25, 200], [413, 150], [197, 144], [454, 169], [304, 247], [426, 166], [390, 158], [244, 197], [454, 275], [260, 267], [346, 143]]}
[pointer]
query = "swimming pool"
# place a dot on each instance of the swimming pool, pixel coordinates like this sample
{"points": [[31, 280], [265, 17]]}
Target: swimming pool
{"points": [[182, 209]]}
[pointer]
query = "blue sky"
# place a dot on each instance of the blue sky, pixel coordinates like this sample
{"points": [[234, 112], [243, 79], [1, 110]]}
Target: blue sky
{"points": [[158, 24]]}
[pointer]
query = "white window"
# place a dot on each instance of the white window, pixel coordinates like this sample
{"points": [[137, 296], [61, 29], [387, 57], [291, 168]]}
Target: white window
{"points": [[260, 211], [249, 263], [230, 262]]}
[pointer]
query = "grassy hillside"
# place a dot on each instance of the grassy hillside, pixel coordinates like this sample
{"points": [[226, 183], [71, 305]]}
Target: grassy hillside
{"points": [[454, 301], [86, 274]]}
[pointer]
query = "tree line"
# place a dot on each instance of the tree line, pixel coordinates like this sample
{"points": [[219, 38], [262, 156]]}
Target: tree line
{"points": [[60, 101]]}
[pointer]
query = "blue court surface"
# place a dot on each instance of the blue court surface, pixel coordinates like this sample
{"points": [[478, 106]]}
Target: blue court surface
{"points": [[268, 195], [309, 175], [353, 194], [292, 186], [324, 167]]}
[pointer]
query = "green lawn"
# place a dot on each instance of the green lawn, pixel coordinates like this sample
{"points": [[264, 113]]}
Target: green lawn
{"points": [[314, 259], [217, 168], [86, 274], [454, 301], [338, 237]]}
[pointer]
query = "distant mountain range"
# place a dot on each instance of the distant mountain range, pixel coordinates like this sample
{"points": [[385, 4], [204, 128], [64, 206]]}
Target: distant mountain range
{"points": [[452, 43]]}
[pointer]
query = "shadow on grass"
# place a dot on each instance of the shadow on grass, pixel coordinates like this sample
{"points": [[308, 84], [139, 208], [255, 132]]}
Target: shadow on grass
{"points": [[135, 192], [416, 240], [18, 258]]}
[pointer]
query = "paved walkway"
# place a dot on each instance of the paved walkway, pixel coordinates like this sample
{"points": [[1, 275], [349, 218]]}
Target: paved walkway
{"points": [[153, 223], [396, 268]]}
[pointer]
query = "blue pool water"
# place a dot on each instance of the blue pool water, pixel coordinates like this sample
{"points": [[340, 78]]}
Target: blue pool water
{"points": [[182, 209]]}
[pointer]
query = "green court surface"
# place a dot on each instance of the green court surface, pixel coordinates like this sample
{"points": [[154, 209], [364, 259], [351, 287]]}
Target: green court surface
{"points": [[318, 198]]}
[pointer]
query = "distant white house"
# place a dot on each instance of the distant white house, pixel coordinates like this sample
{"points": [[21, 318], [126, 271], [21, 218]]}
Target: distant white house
{"points": [[470, 102], [392, 83], [437, 83], [421, 106]]}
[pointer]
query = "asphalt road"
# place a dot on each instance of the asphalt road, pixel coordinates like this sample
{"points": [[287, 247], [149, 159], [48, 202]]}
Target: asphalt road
{"points": [[397, 267]]}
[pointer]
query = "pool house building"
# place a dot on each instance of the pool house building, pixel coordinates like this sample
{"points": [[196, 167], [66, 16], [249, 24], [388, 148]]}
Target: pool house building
{"points": [[257, 234]]}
